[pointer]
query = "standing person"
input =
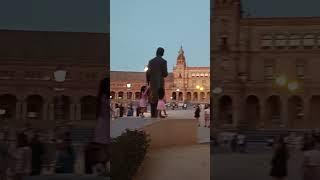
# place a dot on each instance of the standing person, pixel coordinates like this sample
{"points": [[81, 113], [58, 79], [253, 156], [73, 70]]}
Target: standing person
{"points": [[279, 162], [116, 111], [121, 110], [311, 162], [23, 158], [143, 100], [157, 71], [65, 157], [207, 116], [197, 115], [161, 104], [130, 111], [37, 154]]}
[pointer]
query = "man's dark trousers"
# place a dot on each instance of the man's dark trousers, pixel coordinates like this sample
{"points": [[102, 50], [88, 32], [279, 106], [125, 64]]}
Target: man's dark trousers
{"points": [[154, 113]]}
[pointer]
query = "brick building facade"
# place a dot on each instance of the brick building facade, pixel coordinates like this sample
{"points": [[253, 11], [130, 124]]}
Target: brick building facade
{"points": [[266, 70], [28, 92], [183, 84]]}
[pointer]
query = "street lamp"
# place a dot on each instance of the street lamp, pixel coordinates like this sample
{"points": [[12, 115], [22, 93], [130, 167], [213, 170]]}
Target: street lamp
{"points": [[60, 77], [281, 80], [146, 68], [128, 85], [197, 87], [178, 90], [201, 88], [293, 86]]}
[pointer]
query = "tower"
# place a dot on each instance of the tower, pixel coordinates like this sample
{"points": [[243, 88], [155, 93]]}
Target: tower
{"points": [[180, 75]]}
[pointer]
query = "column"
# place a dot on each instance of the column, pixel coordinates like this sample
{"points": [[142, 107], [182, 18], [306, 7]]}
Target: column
{"points": [[78, 112], [263, 114], [72, 111], [51, 111], [18, 110], [236, 111], [24, 111], [306, 112], [284, 111], [45, 111]]}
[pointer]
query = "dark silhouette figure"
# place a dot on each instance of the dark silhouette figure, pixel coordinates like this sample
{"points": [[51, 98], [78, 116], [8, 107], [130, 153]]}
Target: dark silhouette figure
{"points": [[37, 154], [197, 114], [279, 162], [121, 110], [157, 71]]}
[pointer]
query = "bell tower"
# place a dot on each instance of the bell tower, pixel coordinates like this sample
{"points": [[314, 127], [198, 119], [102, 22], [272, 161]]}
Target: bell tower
{"points": [[180, 73]]}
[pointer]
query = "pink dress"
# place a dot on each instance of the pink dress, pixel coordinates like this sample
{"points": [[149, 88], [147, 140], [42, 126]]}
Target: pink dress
{"points": [[161, 105], [144, 99]]}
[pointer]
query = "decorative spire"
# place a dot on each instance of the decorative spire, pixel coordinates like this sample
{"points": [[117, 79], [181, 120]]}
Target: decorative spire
{"points": [[181, 50], [181, 60]]}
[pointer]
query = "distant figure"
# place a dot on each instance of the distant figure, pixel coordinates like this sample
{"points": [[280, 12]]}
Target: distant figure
{"points": [[144, 91], [197, 115], [37, 154], [102, 129], [207, 116], [157, 71], [161, 104], [121, 110], [65, 158], [23, 158], [311, 162], [279, 162], [185, 106], [234, 143], [130, 111], [116, 111]]}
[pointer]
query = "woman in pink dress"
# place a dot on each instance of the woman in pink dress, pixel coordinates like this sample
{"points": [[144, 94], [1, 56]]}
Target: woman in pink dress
{"points": [[161, 104]]}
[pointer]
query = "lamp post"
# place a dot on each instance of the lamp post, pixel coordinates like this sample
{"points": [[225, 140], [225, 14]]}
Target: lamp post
{"points": [[60, 77]]}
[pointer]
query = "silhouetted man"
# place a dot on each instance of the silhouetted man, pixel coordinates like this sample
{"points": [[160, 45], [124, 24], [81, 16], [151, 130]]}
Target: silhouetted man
{"points": [[157, 71]]}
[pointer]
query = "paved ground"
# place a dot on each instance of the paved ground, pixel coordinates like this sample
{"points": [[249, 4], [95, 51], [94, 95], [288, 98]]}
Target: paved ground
{"points": [[255, 165], [120, 124], [177, 163]]}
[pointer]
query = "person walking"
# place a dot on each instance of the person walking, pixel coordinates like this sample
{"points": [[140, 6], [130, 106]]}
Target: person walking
{"points": [[161, 104], [197, 115], [157, 71], [207, 116], [279, 162], [311, 162], [37, 155]]}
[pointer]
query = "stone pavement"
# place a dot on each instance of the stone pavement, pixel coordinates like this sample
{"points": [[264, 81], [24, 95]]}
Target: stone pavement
{"points": [[231, 166], [177, 163], [119, 125]]}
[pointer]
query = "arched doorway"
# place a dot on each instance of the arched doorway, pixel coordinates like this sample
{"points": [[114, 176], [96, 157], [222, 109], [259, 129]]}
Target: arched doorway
{"points": [[34, 107], [174, 96], [61, 108], [120, 95], [252, 111], [180, 96], [202, 96], [315, 112], [129, 95], [295, 112], [273, 115], [225, 110], [112, 95], [195, 96], [8, 103], [88, 107], [137, 95], [188, 96]]}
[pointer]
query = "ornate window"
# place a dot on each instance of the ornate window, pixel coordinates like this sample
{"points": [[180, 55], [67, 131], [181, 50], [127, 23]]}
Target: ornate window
{"points": [[281, 41], [294, 41], [268, 69], [193, 74], [308, 41], [266, 41]]}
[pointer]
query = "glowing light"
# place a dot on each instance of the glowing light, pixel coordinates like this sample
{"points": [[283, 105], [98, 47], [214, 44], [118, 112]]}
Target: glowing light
{"points": [[201, 88], [198, 87], [281, 80], [146, 68], [293, 86]]}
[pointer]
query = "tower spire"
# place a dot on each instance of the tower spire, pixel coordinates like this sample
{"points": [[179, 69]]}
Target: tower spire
{"points": [[181, 60]]}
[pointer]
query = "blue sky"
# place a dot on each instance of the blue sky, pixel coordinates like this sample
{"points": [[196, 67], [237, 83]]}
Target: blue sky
{"points": [[138, 27]]}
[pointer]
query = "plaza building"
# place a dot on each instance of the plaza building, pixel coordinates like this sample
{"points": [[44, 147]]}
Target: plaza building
{"points": [[48, 79], [266, 69], [184, 84]]}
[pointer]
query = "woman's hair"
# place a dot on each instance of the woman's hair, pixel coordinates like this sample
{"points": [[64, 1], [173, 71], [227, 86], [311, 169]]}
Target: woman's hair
{"points": [[103, 91], [161, 93], [142, 90]]}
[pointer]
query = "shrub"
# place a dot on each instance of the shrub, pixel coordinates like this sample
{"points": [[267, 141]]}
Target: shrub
{"points": [[127, 154]]}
